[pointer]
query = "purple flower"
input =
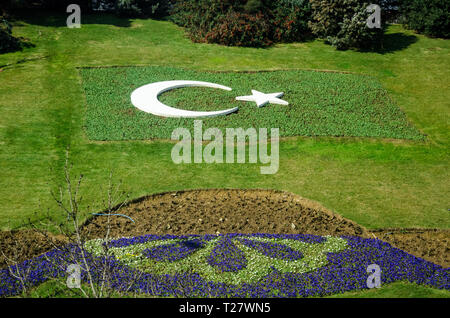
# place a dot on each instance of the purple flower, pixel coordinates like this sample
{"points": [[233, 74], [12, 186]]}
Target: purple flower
{"points": [[175, 251], [226, 257], [345, 271]]}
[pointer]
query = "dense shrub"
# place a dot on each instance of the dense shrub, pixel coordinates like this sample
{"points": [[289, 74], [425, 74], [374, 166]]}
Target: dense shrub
{"points": [[240, 29], [390, 10], [59, 5], [136, 8], [430, 17], [7, 41], [218, 21], [129, 8], [290, 20], [146, 8], [4, 7], [255, 23], [200, 15], [343, 23]]}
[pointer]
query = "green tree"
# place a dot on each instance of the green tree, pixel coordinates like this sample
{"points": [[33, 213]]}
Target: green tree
{"points": [[430, 17], [343, 24], [146, 8]]}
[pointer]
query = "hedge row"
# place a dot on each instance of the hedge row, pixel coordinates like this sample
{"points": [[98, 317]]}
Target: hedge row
{"points": [[341, 23], [254, 23], [260, 23], [129, 8]]}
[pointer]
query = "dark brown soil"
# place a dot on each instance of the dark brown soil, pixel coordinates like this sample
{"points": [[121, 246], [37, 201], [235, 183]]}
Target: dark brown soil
{"points": [[225, 211], [234, 211], [19, 246], [430, 244]]}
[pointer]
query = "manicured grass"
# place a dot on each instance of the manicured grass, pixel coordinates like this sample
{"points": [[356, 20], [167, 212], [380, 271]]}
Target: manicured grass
{"points": [[377, 183], [397, 290], [321, 104], [56, 289]]}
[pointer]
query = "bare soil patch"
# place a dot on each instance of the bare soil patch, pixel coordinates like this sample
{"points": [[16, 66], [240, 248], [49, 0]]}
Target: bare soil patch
{"points": [[225, 211], [20, 245], [233, 211], [430, 244]]}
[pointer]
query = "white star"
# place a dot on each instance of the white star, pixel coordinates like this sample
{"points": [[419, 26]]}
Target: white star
{"points": [[262, 99]]}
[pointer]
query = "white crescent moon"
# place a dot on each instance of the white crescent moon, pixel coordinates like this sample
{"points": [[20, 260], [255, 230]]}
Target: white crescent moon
{"points": [[146, 99]]}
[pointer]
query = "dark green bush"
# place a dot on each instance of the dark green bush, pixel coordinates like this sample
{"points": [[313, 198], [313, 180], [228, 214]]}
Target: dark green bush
{"points": [[240, 29], [343, 24], [391, 12], [143, 8], [254, 23], [59, 5], [430, 17], [7, 41], [202, 17], [290, 20], [129, 8], [202, 14]]}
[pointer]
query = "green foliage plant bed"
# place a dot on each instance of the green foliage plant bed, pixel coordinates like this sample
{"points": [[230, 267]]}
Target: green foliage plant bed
{"points": [[320, 104], [312, 257]]}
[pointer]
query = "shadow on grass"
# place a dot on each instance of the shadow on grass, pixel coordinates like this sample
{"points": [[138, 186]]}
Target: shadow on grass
{"points": [[18, 44], [21, 61], [393, 42], [396, 42]]}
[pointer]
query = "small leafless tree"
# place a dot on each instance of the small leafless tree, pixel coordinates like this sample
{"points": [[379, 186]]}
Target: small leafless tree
{"points": [[69, 200], [21, 273]]}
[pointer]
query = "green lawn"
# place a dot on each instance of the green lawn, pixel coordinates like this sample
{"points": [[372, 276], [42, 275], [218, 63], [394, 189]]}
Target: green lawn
{"points": [[377, 183], [57, 289], [397, 290]]}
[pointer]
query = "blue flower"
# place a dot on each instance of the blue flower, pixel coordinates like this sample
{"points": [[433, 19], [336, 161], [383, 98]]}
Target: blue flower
{"points": [[226, 257], [175, 251]]}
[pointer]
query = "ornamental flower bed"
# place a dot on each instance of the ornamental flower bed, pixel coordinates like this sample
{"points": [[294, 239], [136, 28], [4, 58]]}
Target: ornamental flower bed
{"points": [[233, 265]]}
